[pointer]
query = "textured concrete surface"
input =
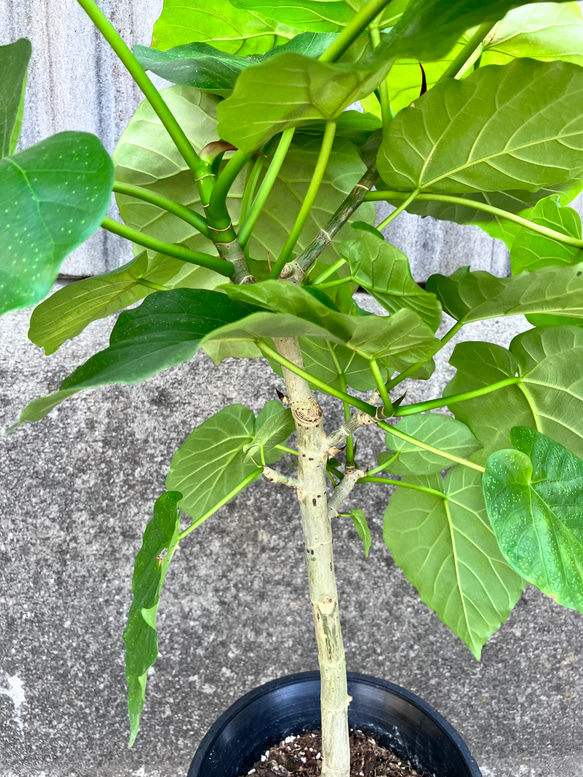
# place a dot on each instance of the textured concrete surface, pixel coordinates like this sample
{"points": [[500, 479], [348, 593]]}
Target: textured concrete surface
{"points": [[76, 491]]}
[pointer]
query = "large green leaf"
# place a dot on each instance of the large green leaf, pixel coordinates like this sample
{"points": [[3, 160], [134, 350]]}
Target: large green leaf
{"points": [[548, 396], [147, 157], [217, 22], [444, 543], [167, 329], [14, 60], [335, 364], [544, 31], [534, 497], [472, 296], [517, 127], [319, 15], [211, 463], [435, 429], [205, 67], [141, 638], [53, 196], [531, 250], [69, 310], [384, 271]]}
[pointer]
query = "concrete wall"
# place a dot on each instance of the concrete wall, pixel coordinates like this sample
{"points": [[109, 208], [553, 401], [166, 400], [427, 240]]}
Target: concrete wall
{"points": [[77, 489]]}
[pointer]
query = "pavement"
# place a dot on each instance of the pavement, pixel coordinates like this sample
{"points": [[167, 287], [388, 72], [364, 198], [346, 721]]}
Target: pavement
{"points": [[76, 491]]}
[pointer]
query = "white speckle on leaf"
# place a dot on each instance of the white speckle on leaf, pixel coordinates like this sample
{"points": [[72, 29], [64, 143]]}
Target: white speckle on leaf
{"points": [[13, 687]]}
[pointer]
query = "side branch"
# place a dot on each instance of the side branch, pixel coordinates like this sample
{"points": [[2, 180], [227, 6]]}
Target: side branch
{"points": [[298, 268], [348, 428], [342, 491], [277, 477]]}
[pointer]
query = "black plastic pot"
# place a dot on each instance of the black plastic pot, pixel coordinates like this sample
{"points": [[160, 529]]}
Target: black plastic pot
{"points": [[291, 705]]}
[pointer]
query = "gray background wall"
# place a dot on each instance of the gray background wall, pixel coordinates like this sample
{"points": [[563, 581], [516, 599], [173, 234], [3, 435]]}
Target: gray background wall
{"points": [[76, 491]]}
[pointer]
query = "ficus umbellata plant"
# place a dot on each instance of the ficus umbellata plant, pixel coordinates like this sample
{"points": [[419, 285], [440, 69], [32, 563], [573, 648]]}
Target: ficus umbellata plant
{"points": [[248, 191]]}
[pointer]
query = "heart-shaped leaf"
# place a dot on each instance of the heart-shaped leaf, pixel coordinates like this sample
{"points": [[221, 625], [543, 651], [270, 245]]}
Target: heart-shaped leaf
{"points": [[442, 539], [53, 196], [534, 497]]}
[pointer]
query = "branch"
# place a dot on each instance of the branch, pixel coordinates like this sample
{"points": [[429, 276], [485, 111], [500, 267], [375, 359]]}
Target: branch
{"points": [[277, 477], [348, 428], [342, 491], [298, 268]]}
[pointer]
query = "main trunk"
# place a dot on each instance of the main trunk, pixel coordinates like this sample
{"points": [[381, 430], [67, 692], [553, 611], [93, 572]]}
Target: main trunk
{"points": [[317, 532]]}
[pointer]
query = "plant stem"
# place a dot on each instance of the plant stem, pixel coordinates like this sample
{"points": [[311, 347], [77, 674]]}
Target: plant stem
{"points": [[327, 272], [381, 388], [266, 185], [169, 249], [111, 35], [426, 446], [353, 29], [217, 213], [391, 482], [382, 467], [184, 213], [414, 367], [392, 216], [287, 450], [467, 52], [420, 407], [317, 531], [311, 194], [269, 352], [386, 113], [474, 204], [325, 236], [237, 490]]}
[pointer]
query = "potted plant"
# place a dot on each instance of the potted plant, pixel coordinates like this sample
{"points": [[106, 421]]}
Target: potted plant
{"points": [[247, 189]]}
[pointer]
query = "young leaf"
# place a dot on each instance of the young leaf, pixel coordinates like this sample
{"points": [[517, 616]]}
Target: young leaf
{"points": [[543, 31], [444, 543], [273, 426], [14, 60], [548, 396], [435, 429], [53, 196], [515, 127], [361, 526], [147, 157], [473, 296], [141, 638], [384, 271], [211, 463], [531, 251], [217, 22], [167, 329], [319, 15], [205, 67], [534, 497]]}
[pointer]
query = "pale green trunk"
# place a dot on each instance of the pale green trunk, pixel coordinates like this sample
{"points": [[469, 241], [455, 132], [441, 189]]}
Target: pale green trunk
{"points": [[317, 532]]}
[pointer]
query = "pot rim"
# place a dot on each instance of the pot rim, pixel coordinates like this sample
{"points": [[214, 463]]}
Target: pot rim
{"points": [[353, 677]]}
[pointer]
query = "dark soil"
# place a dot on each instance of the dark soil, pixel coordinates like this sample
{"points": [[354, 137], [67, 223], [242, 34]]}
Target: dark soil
{"points": [[302, 757]]}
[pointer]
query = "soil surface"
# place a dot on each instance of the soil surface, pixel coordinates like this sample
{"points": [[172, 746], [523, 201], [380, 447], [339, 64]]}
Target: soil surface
{"points": [[301, 756]]}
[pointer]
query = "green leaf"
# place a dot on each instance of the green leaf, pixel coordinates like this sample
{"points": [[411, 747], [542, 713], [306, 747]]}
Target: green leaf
{"points": [[14, 60], [167, 329], [141, 638], [53, 196], [274, 425], [543, 31], [516, 127], [217, 22], [384, 271], [212, 462], [473, 296], [319, 15], [361, 526], [147, 157], [205, 67], [334, 363], [531, 250], [435, 429], [548, 396], [534, 497], [444, 543]]}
